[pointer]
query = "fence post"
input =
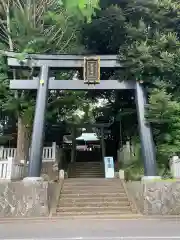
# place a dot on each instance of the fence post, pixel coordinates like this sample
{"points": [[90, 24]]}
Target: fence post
{"points": [[54, 151], [1, 152], [175, 166], [10, 166]]}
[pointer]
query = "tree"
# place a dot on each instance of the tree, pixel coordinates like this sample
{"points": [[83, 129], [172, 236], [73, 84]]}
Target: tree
{"points": [[151, 54], [164, 114], [82, 8], [106, 31], [47, 27], [148, 49]]}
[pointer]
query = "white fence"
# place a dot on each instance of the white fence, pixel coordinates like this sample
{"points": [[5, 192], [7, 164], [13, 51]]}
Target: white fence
{"points": [[175, 166], [10, 169], [50, 154]]}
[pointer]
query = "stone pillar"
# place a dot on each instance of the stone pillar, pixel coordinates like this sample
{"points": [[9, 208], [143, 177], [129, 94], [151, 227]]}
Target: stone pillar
{"points": [[35, 160], [147, 143]]}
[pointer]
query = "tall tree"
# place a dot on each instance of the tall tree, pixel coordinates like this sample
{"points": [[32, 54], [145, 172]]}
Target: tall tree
{"points": [[45, 26], [148, 49]]}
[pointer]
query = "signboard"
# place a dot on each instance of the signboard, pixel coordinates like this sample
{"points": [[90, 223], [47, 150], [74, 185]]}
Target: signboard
{"points": [[109, 167], [92, 70]]}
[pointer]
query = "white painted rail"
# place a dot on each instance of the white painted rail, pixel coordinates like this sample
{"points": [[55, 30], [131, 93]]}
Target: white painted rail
{"points": [[50, 154], [175, 166], [3, 169], [11, 169]]}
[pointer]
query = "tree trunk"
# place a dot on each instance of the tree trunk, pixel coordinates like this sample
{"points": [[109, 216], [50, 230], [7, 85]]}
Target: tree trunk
{"points": [[23, 141]]}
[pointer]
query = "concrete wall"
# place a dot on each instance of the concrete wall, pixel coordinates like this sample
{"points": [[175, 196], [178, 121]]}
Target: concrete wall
{"points": [[27, 199], [156, 198]]}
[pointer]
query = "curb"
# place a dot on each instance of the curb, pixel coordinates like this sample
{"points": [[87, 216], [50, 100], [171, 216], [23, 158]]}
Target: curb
{"points": [[90, 218]]}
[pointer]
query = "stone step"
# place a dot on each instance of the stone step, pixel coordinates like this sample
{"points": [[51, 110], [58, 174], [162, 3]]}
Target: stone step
{"points": [[84, 199], [86, 175], [93, 197], [94, 166], [88, 167], [87, 170], [92, 190], [87, 163], [97, 186], [100, 215], [98, 182], [120, 209], [82, 204], [93, 194], [93, 180], [89, 191], [82, 182], [103, 186]]}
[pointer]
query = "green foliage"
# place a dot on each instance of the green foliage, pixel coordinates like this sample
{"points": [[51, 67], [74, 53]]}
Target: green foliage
{"points": [[151, 53], [39, 27], [145, 35], [147, 41], [82, 8], [151, 59], [134, 171], [164, 114], [105, 33]]}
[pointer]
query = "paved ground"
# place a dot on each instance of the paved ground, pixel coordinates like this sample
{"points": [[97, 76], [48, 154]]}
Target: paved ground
{"points": [[91, 230]]}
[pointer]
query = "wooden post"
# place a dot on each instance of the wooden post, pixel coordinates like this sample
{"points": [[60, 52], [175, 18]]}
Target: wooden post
{"points": [[10, 168]]}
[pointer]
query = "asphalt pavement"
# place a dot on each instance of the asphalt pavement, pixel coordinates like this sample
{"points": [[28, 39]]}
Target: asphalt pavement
{"points": [[91, 229]]}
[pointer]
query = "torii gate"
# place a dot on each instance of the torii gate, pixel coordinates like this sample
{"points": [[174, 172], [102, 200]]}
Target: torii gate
{"points": [[91, 67]]}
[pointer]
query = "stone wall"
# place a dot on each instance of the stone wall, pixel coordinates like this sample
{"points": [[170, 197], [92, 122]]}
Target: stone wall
{"points": [[27, 199], [51, 170], [162, 198], [135, 190], [156, 198]]}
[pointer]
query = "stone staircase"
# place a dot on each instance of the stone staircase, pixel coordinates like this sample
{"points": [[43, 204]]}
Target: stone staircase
{"points": [[94, 197], [86, 170]]}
